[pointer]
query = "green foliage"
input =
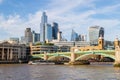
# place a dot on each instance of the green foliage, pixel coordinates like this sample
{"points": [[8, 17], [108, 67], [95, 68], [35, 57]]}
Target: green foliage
{"points": [[38, 43], [48, 44]]}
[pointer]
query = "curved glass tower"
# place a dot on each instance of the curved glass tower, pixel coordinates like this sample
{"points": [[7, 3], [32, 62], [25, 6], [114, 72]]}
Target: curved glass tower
{"points": [[94, 33], [74, 36]]}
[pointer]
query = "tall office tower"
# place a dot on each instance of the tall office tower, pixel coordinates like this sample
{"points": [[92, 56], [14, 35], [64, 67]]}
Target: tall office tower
{"points": [[36, 36], [55, 30], [42, 26], [79, 37], [74, 36], [59, 36], [48, 32], [83, 38], [28, 35], [94, 33]]}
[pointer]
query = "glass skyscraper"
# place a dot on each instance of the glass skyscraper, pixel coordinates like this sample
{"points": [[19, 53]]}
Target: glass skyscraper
{"points": [[55, 30], [42, 26], [74, 36], [45, 29], [48, 32], [94, 33], [36, 36]]}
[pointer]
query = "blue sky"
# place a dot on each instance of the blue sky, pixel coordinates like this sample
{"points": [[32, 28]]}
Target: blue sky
{"points": [[16, 15]]}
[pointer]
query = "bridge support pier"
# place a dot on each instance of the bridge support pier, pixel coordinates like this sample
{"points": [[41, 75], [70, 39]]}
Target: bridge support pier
{"points": [[74, 62], [45, 56], [72, 57], [117, 57]]}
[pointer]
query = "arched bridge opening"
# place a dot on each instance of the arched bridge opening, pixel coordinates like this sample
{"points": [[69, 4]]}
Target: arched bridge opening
{"points": [[60, 58], [96, 57], [36, 57]]}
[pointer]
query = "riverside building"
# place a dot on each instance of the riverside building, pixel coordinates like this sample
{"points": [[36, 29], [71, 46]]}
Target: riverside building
{"points": [[38, 49], [12, 52], [71, 43]]}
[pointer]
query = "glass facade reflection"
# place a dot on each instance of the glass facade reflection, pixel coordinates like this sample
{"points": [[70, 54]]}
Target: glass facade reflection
{"points": [[42, 27], [94, 33]]}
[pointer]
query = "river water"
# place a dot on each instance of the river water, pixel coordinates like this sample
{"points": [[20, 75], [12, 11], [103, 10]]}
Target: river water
{"points": [[58, 72]]}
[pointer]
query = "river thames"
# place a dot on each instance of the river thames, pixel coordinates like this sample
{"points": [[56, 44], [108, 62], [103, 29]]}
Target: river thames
{"points": [[59, 72]]}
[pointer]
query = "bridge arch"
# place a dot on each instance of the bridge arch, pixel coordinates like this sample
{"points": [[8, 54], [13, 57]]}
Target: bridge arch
{"points": [[36, 56], [50, 58], [103, 54]]}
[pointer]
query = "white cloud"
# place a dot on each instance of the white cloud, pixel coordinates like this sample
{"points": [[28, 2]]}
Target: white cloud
{"points": [[11, 25], [80, 21], [15, 25], [65, 6], [108, 9], [62, 11]]}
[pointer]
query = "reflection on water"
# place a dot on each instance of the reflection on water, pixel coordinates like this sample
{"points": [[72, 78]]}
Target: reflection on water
{"points": [[58, 72]]}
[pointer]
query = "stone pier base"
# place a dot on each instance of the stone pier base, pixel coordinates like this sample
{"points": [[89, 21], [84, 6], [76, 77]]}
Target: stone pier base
{"points": [[117, 57], [116, 64], [79, 62]]}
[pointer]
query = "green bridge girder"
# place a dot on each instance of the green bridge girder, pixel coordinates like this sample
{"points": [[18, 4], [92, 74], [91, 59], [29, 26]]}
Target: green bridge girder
{"points": [[80, 54]]}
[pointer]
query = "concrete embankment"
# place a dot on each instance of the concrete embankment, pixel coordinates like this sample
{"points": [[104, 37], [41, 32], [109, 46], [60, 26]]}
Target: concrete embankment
{"points": [[13, 62], [102, 63]]}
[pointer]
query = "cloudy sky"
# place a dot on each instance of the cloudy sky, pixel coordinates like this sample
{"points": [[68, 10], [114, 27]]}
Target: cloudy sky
{"points": [[16, 15]]}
